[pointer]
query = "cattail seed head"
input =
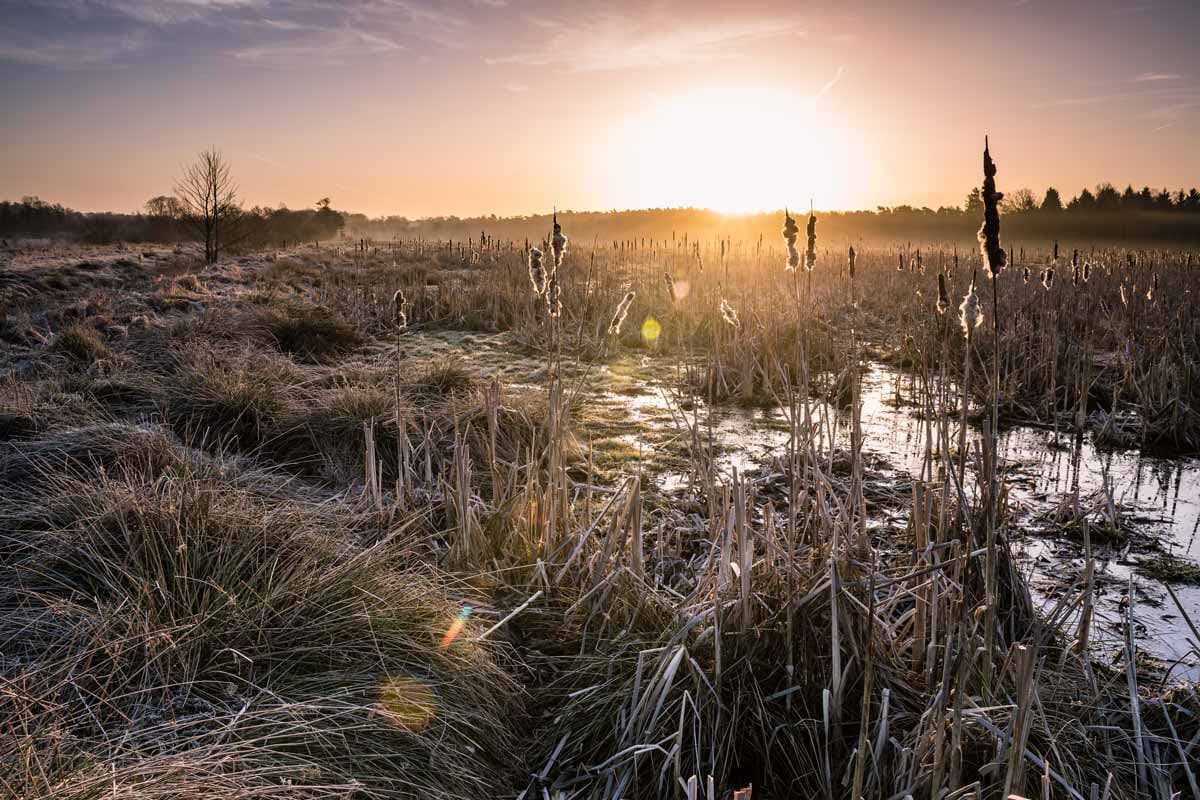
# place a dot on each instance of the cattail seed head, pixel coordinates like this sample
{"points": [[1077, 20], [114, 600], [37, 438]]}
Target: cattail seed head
{"points": [[670, 286], [943, 301], [969, 313], [994, 257], [400, 310], [537, 275], [853, 257], [729, 313], [553, 296], [614, 327], [558, 243], [1048, 278], [900, 264], [790, 231], [1025, 275], [810, 257], [1087, 271]]}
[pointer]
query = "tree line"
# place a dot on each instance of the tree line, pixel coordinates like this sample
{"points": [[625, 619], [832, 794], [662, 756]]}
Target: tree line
{"points": [[205, 207]]}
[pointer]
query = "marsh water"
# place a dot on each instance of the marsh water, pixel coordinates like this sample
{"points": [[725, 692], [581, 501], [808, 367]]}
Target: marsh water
{"points": [[1155, 501]]}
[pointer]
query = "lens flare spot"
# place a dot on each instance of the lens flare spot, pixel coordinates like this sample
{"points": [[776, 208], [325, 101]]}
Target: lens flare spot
{"points": [[407, 702], [456, 627], [651, 330]]}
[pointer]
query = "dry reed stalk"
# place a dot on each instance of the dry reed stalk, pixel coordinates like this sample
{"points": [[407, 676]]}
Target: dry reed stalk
{"points": [[618, 319]]}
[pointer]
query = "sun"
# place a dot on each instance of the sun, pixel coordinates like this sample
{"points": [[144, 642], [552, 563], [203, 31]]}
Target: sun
{"points": [[737, 150]]}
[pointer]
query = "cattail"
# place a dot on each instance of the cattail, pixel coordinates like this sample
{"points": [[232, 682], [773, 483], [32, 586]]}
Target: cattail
{"points": [[614, 327], [1056, 251], [943, 301], [537, 275], [919, 266], [853, 256], [810, 257], [900, 265], [1025, 275], [670, 286], [558, 243], [1124, 297], [790, 231], [1075, 270], [400, 309], [1048, 278], [969, 313], [994, 257], [729, 313], [1153, 290], [1087, 270], [553, 296]]}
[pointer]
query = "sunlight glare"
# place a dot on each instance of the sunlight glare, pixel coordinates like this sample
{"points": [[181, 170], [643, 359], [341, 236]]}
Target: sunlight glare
{"points": [[738, 150]]}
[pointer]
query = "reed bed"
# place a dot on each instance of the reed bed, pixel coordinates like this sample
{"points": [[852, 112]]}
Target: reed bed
{"points": [[278, 545]]}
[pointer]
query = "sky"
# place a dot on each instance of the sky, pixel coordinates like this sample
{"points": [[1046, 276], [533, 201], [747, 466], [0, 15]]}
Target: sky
{"points": [[469, 107]]}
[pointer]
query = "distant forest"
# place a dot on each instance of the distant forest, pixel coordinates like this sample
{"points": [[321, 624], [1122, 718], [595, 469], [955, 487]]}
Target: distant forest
{"points": [[1105, 214]]}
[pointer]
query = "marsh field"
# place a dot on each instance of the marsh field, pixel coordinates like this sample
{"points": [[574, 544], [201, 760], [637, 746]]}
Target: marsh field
{"points": [[675, 516]]}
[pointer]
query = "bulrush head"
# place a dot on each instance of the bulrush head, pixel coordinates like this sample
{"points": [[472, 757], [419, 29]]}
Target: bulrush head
{"points": [[729, 314], [790, 231], [994, 257], [1048, 278], [810, 256], [537, 275], [853, 256], [614, 327], [558, 243], [400, 310], [969, 313], [553, 296]]}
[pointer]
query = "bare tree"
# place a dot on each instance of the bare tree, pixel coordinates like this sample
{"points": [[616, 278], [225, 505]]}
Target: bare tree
{"points": [[209, 199]]}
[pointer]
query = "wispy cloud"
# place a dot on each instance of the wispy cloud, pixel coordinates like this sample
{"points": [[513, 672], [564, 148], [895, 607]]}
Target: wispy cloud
{"points": [[174, 12], [829, 84], [1150, 77], [70, 51], [618, 42], [327, 47]]}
